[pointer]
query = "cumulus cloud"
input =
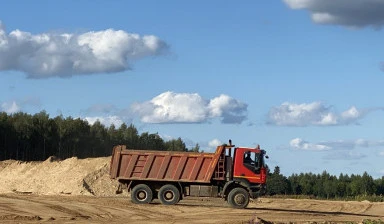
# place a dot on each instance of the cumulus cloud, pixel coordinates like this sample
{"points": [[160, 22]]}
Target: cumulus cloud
{"points": [[315, 113], [10, 107], [211, 145], [298, 143], [291, 114], [170, 107], [106, 121], [66, 54], [231, 110], [214, 143], [349, 13], [340, 151]]}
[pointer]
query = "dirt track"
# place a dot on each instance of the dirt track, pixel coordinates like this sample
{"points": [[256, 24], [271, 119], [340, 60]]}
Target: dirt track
{"points": [[80, 191], [15, 208]]}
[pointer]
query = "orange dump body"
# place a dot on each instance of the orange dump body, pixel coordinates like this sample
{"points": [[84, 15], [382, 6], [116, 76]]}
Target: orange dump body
{"points": [[163, 165]]}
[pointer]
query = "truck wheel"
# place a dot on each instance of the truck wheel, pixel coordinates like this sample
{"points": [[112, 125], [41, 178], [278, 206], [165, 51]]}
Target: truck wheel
{"points": [[169, 194], [238, 198], [141, 194]]}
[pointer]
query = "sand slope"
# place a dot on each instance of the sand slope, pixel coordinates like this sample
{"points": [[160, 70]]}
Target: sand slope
{"points": [[71, 176]]}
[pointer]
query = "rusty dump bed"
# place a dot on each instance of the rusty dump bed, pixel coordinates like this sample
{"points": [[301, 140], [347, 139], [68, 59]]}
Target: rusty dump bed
{"points": [[163, 166]]}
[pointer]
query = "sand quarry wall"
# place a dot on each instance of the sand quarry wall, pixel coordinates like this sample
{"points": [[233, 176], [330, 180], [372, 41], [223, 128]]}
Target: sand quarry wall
{"points": [[52, 177]]}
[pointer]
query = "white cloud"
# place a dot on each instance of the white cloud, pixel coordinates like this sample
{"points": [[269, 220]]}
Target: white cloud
{"points": [[230, 109], [106, 121], [349, 13], [211, 145], [10, 107], [300, 144], [214, 143], [351, 114], [344, 152], [170, 107], [291, 114], [381, 153], [315, 113], [65, 54], [208, 146]]}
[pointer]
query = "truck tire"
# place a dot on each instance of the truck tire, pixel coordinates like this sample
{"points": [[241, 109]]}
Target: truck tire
{"points": [[141, 194], [169, 194], [238, 198]]}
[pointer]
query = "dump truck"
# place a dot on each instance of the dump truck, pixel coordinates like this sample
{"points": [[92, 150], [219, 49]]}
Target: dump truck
{"points": [[233, 173]]}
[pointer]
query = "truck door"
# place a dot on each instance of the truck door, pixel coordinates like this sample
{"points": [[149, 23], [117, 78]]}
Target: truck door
{"points": [[248, 165]]}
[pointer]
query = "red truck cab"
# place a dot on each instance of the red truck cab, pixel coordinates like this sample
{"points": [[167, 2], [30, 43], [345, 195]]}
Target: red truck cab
{"points": [[249, 165], [248, 171]]}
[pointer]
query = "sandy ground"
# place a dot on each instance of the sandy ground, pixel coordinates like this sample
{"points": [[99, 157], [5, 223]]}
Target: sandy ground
{"points": [[34, 209], [80, 191]]}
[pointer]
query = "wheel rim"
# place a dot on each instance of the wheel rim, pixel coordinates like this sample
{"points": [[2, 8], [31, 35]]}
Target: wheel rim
{"points": [[169, 195], [239, 199], [141, 195]]}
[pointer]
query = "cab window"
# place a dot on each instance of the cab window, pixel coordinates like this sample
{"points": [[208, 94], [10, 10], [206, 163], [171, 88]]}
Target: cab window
{"points": [[251, 160]]}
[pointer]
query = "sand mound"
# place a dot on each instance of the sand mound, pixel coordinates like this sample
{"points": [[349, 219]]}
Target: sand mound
{"points": [[71, 176]]}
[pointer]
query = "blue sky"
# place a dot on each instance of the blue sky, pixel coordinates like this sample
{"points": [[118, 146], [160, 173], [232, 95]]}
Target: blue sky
{"points": [[302, 78]]}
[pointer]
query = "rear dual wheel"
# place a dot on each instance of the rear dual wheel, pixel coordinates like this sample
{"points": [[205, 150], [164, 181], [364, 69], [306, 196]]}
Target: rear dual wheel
{"points": [[141, 194], [169, 194]]}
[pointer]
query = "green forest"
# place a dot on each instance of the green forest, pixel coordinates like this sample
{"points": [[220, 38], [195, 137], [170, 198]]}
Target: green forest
{"points": [[326, 186], [36, 137]]}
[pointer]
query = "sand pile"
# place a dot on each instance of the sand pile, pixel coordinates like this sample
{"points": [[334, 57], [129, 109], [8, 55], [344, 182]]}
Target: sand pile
{"points": [[71, 176]]}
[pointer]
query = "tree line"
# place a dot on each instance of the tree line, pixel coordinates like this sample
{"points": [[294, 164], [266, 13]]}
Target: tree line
{"points": [[36, 137], [326, 186]]}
